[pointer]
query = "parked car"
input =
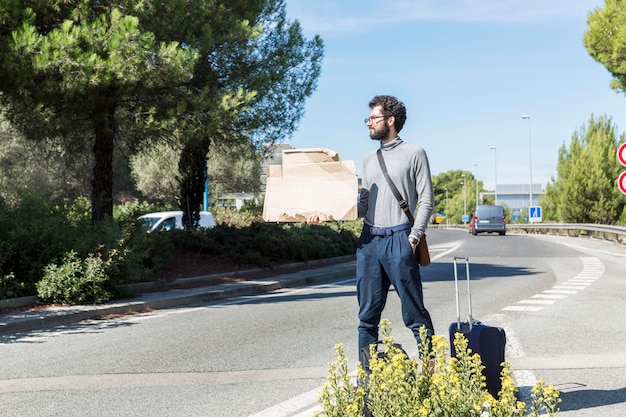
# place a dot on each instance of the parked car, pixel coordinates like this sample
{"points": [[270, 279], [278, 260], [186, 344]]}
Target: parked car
{"points": [[168, 220], [489, 219]]}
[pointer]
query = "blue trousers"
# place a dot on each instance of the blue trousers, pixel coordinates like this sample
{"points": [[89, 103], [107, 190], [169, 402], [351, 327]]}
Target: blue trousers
{"points": [[383, 261]]}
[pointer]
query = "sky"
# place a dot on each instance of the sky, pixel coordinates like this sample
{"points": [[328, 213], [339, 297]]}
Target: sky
{"points": [[467, 71]]}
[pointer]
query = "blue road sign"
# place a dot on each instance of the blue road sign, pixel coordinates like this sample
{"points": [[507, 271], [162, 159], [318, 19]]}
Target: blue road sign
{"points": [[535, 213]]}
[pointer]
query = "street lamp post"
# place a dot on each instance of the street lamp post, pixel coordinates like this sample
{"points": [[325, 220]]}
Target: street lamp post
{"points": [[495, 175], [476, 181], [464, 197], [530, 165], [446, 207]]}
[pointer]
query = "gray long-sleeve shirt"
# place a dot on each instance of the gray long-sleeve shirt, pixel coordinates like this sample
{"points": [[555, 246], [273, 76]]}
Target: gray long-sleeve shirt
{"points": [[407, 165]]}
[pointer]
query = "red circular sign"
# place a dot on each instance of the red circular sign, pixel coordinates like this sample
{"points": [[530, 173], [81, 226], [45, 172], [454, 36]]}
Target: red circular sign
{"points": [[621, 154], [621, 182]]}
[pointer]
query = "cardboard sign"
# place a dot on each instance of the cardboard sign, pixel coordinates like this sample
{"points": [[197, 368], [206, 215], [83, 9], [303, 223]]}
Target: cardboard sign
{"points": [[311, 181]]}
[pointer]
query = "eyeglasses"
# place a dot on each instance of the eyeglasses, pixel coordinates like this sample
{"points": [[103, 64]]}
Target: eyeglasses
{"points": [[372, 118]]}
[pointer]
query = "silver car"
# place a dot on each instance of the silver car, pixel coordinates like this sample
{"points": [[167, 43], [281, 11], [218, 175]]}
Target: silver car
{"points": [[489, 219]]}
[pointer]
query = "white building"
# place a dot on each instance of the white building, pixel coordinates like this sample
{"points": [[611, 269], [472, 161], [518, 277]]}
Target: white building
{"points": [[517, 196]]}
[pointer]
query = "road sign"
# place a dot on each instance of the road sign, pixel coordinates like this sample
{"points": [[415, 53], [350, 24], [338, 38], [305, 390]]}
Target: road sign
{"points": [[535, 214], [621, 154], [465, 218], [621, 182]]}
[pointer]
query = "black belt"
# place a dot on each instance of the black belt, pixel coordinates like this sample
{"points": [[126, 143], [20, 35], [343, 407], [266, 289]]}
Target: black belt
{"points": [[387, 231]]}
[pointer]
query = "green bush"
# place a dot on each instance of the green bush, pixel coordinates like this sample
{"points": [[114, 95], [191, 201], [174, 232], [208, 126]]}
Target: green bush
{"points": [[10, 287], [76, 281], [265, 244], [128, 213], [248, 214], [432, 386], [39, 232], [35, 231]]}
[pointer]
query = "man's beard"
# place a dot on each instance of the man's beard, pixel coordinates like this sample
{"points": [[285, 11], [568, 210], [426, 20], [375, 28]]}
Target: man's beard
{"points": [[380, 134]]}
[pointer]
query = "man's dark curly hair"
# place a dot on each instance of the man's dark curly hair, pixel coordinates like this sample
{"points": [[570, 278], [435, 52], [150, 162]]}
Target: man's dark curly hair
{"points": [[391, 106]]}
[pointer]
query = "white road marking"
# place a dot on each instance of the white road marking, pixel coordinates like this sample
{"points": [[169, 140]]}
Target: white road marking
{"points": [[545, 302], [550, 296], [522, 308], [292, 405], [565, 292], [593, 269], [452, 247], [569, 287]]}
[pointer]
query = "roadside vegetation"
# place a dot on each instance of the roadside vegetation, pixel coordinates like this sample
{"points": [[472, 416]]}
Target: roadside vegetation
{"points": [[50, 247], [433, 385]]}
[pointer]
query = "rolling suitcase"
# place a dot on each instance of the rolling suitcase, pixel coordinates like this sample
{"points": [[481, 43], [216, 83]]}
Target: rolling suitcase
{"points": [[488, 341]]}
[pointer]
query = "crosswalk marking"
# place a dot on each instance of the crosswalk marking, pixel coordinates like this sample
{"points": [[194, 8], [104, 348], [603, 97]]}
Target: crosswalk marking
{"points": [[545, 302], [522, 308], [593, 269]]}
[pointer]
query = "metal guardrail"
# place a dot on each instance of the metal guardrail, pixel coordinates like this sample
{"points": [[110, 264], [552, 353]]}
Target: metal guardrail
{"points": [[598, 231]]}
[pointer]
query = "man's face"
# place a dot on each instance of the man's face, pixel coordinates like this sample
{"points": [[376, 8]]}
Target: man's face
{"points": [[377, 124]]}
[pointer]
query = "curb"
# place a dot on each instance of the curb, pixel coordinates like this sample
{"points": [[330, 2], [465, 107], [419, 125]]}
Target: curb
{"points": [[26, 321]]}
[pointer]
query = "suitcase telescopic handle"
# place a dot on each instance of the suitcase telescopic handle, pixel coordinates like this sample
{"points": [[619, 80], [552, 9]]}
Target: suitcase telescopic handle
{"points": [[469, 293]]}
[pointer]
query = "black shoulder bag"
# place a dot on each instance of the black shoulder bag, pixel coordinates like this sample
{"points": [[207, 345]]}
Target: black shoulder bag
{"points": [[423, 256]]}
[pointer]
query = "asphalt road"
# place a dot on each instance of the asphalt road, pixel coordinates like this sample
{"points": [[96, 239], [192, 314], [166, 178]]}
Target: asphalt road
{"points": [[560, 300]]}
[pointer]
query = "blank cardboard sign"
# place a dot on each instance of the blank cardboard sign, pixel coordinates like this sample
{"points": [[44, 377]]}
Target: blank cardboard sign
{"points": [[311, 181]]}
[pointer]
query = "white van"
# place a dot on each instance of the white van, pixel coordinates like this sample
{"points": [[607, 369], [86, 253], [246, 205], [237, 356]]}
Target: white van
{"points": [[168, 220], [489, 219]]}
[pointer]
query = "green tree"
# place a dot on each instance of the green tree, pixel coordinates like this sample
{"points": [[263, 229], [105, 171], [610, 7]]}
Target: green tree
{"points": [[457, 200], [113, 72], [255, 72], [605, 40], [42, 166], [585, 189], [234, 169], [154, 172], [75, 68]]}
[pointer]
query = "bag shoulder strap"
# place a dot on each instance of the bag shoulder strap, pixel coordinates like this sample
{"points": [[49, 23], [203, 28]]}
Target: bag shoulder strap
{"points": [[403, 204]]}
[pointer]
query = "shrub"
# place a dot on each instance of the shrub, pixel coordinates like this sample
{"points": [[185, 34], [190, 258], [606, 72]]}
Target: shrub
{"points": [[432, 386], [35, 231], [92, 280], [39, 231], [248, 214], [10, 287], [129, 212], [265, 244]]}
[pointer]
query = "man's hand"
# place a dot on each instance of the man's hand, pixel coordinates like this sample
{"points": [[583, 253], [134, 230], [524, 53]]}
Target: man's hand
{"points": [[314, 219], [413, 241]]}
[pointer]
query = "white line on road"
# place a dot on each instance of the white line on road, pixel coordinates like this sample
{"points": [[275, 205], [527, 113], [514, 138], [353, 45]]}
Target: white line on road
{"points": [[522, 308], [545, 302], [593, 269], [569, 287], [292, 405], [550, 296], [559, 292]]}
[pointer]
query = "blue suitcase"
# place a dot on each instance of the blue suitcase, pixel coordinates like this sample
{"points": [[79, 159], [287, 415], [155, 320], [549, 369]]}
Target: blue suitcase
{"points": [[488, 341]]}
